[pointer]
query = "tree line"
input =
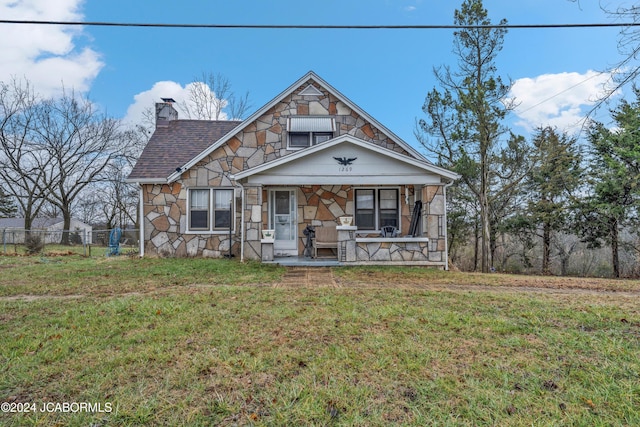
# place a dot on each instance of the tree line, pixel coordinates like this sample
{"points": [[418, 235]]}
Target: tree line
{"points": [[62, 157], [521, 202]]}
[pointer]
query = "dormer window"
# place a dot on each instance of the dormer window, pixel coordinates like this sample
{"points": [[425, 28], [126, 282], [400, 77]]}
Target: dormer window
{"points": [[307, 131]]}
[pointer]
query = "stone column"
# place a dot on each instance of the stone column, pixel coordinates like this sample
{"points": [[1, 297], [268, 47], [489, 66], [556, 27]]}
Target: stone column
{"points": [[252, 221], [267, 249], [346, 243]]}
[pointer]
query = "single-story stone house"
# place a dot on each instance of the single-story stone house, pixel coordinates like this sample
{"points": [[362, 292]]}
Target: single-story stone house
{"points": [[305, 159]]}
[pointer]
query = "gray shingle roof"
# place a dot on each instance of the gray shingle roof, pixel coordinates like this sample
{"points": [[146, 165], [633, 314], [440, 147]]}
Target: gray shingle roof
{"points": [[172, 146], [11, 222], [35, 223]]}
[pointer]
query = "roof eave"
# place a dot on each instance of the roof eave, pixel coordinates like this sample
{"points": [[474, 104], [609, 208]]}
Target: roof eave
{"points": [[142, 181]]}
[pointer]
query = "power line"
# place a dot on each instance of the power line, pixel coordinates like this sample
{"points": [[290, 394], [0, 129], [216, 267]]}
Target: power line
{"points": [[320, 27], [560, 93]]}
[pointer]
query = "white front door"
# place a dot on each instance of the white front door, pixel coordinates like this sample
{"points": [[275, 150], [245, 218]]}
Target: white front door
{"points": [[283, 218]]}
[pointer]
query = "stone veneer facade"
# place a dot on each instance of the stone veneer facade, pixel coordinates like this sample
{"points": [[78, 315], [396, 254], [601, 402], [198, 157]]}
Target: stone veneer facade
{"points": [[264, 140]]}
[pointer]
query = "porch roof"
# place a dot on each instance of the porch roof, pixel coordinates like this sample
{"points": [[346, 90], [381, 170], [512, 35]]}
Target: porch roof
{"points": [[346, 160]]}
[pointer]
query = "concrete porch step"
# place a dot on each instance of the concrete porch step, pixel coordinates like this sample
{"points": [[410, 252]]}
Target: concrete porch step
{"points": [[304, 262]]}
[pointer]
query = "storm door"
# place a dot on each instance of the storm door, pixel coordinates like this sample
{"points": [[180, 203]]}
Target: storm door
{"points": [[283, 218]]}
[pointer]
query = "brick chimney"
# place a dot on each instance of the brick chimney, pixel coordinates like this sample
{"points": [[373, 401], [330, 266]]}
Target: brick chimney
{"points": [[165, 112]]}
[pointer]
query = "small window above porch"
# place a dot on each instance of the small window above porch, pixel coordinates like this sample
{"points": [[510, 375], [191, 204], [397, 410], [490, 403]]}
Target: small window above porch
{"points": [[307, 131]]}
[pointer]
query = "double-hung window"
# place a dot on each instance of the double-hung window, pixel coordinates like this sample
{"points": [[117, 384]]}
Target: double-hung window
{"points": [[210, 209], [376, 208], [388, 207]]}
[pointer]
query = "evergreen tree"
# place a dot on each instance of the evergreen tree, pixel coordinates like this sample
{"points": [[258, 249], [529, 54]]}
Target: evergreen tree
{"points": [[465, 117], [614, 180], [553, 181], [8, 208]]}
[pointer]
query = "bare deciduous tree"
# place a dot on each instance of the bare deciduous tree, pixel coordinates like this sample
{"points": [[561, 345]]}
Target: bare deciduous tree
{"points": [[79, 143], [627, 70], [211, 98], [22, 169]]}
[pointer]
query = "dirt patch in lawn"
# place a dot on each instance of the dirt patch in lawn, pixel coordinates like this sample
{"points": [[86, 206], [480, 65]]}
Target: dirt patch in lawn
{"points": [[409, 279], [28, 298], [416, 279]]}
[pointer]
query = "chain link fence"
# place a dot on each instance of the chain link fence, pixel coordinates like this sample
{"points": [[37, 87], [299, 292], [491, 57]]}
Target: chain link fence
{"points": [[81, 242]]}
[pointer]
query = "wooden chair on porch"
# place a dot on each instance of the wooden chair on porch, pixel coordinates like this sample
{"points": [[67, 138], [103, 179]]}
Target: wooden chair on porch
{"points": [[326, 238]]}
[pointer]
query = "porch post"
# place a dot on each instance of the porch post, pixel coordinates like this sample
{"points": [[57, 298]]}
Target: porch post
{"points": [[251, 220], [141, 217], [266, 249]]}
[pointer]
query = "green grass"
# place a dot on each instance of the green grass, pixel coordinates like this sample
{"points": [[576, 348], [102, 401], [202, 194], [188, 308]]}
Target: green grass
{"points": [[76, 275], [163, 352]]}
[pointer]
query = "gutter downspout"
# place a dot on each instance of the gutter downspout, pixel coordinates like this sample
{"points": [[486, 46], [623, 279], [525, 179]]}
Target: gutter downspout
{"points": [[141, 196], [446, 237], [243, 206]]}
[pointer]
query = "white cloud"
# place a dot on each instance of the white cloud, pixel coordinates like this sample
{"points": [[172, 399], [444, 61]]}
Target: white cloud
{"points": [[46, 55], [559, 100], [165, 89]]}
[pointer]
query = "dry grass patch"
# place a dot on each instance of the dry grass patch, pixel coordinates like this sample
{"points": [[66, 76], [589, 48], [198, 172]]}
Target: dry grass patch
{"points": [[383, 276]]}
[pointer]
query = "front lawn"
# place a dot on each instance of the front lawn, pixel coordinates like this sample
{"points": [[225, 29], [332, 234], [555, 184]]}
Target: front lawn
{"points": [[76, 275], [202, 342]]}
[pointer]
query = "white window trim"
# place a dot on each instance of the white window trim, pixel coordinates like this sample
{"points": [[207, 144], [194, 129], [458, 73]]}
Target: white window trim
{"points": [[210, 230], [376, 207]]}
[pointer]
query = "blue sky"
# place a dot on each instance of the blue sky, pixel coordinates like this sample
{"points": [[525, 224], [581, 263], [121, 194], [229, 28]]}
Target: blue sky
{"points": [[388, 73]]}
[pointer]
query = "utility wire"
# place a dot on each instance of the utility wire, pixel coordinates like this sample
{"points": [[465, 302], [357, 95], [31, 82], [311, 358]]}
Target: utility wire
{"points": [[559, 93], [320, 27]]}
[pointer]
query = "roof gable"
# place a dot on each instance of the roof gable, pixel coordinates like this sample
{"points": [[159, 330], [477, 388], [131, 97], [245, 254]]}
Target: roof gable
{"points": [[303, 86]]}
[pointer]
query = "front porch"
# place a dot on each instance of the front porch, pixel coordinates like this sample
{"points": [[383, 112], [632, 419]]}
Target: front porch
{"points": [[288, 212], [352, 250], [378, 188]]}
